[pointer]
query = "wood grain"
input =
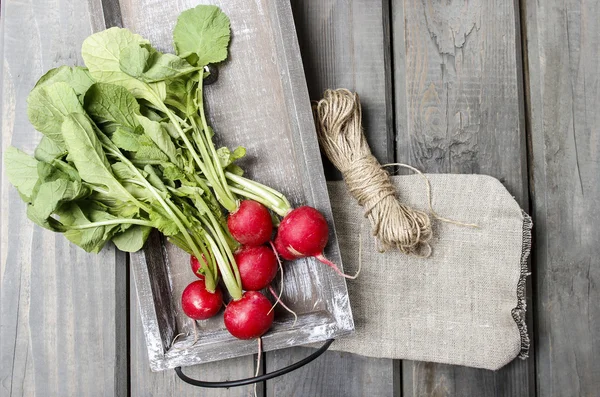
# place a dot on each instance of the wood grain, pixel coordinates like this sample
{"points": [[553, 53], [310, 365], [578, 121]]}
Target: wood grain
{"points": [[457, 78], [563, 58], [344, 44], [63, 311]]}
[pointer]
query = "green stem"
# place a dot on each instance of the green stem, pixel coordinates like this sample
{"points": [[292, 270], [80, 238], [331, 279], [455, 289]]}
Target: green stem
{"points": [[205, 155], [233, 281], [249, 195], [230, 281], [210, 260], [209, 278], [219, 234], [227, 202], [112, 222], [215, 157], [278, 202]]}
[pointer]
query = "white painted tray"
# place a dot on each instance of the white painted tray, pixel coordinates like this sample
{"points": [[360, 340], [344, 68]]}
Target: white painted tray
{"points": [[261, 102]]}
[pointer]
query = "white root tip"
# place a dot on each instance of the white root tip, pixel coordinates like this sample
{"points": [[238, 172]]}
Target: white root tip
{"points": [[274, 293], [326, 261]]}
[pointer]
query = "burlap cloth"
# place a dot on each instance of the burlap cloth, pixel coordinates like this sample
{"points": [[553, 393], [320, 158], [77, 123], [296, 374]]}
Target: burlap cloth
{"points": [[463, 305]]}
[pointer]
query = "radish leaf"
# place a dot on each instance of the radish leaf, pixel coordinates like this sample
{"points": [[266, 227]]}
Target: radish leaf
{"points": [[48, 105], [109, 105], [132, 239], [202, 35], [47, 150], [77, 77], [21, 170]]}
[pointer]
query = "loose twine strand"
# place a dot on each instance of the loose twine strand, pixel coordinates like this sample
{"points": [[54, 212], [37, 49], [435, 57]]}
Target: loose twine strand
{"points": [[338, 118]]}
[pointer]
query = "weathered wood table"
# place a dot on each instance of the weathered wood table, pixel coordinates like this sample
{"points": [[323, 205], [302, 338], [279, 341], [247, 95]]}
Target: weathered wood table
{"points": [[505, 88]]}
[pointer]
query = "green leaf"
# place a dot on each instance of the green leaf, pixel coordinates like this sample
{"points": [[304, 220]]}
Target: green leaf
{"points": [[133, 59], [101, 53], [111, 105], [149, 153], [47, 223], [150, 113], [122, 171], [146, 63], [161, 138], [48, 150], [51, 195], [235, 169], [21, 170], [48, 105], [86, 151], [171, 129], [226, 156], [129, 140], [141, 145], [139, 192], [77, 77], [203, 31], [90, 239], [166, 66], [65, 169], [181, 94], [173, 173], [154, 178], [163, 223], [132, 239]]}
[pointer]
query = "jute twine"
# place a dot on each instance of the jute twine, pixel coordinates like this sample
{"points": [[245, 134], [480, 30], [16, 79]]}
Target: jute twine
{"points": [[338, 118]]}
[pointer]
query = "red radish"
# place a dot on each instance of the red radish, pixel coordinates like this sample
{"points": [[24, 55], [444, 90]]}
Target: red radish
{"points": [[200, 304], [250, 316], [257, 266], [195, 263], [304, 232], [251, 223]]}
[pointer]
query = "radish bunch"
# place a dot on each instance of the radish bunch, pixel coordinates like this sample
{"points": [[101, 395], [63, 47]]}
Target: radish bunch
{"points": [[128, 148], [302, 232]]}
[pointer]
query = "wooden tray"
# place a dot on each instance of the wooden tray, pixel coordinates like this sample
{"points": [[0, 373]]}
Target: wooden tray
{"points": [[260, 102]]}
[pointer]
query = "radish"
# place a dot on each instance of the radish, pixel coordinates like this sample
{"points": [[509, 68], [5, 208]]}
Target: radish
{"points": [[251, 223], [198, 303], [257, 266], [195, 263], [250, 316], [304, 232]]}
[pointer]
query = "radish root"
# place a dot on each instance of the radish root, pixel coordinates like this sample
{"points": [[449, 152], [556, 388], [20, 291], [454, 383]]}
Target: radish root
{"points": [[329, 263], [283, 305], [182, 333], [278, 298], [258, 358]]}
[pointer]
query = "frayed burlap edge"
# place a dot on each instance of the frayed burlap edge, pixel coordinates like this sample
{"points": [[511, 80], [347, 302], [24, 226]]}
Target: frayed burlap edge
{"points": [[519, 313]]}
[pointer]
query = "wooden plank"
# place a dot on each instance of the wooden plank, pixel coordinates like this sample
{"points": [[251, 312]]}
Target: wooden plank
{"points": [[563, 80], [333, 374], [459, 107], [343, 44], [62, 311], [346, 45]]}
